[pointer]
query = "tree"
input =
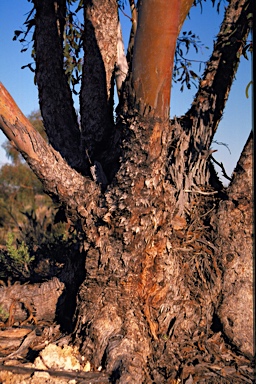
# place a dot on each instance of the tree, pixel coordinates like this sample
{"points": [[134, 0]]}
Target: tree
{"points": [[163, 241]]}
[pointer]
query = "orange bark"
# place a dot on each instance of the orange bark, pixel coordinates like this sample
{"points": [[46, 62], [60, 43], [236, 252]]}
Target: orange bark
{"points": [[159, 25]]}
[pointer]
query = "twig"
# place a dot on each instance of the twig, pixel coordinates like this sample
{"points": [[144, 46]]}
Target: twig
{"points": [[222, 168]]}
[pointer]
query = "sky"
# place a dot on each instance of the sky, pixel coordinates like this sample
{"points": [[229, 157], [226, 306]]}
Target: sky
{"points": [[233, 129]]}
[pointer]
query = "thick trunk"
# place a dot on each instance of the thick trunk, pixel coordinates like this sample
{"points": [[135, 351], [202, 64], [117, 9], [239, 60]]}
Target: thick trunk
{"points": [[115, 311], [153, 279], [152, 306]]}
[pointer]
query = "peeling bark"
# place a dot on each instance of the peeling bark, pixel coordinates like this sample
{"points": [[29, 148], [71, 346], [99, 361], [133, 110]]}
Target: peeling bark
{"points": [[31, 303], [189, 166]]}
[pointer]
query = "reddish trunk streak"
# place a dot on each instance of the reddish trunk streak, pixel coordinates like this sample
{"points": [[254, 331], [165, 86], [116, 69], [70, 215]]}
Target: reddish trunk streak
{"points": [[159, 25]]}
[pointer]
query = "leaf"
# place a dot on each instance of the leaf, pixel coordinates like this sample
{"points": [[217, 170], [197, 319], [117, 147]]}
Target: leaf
{"points": [[29, 24], [247, 89], [29, 66], [80, 5], [17, 33], [193, 74]]}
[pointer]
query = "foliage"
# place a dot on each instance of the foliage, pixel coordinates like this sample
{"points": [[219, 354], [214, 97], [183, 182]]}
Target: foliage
{"points": [[18, 255], [4, 314], [181, 71], [247, 89], [73, 42], [37, 247], [19, 192], [73, 46]]}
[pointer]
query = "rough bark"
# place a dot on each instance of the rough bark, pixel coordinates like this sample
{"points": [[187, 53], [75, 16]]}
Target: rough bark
{"points": [[55, 98], [96, 97], [121, 280], [234, 228], [26, 303]]}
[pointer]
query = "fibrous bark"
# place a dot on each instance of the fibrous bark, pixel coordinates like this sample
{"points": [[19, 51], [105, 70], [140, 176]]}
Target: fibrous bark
{"points": [[96, 97], [55, 98], [234, 227], [221, 68], [26, 303]]}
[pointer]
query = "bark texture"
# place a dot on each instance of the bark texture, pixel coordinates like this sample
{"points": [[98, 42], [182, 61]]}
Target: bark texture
{"points": [[190, 147], [96, 98], [55, 96], [234, 227], [221, 69]]}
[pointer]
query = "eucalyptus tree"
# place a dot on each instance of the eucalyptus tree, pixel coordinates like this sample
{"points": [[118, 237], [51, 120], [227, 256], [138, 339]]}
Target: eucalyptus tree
{"points": [[167, 249]]}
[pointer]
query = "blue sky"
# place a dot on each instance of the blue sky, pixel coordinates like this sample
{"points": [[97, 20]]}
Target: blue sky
{"points": [[234, 127]]}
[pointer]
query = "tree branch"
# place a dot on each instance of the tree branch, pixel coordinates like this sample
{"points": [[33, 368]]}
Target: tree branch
{"points": [[55, 96], [242, 177], [96, 97], [224, 173], [215, 85], [60, 181], [193, 133]]}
